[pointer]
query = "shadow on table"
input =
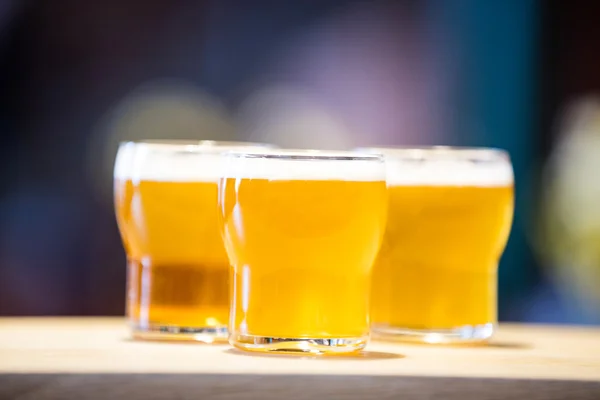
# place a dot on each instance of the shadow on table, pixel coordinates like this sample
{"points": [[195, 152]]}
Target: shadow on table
{"points": [[220, 343], [507, 345], [363, 355]]}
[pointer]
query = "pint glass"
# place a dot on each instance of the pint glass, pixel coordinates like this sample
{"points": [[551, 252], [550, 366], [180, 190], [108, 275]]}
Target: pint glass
{"points": [[166, 207], [302, 229], [449, 217]]}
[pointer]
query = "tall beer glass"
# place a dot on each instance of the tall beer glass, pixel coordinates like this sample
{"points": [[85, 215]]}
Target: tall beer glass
{"points": [[178, 271], [449, 217], [302, 229]]}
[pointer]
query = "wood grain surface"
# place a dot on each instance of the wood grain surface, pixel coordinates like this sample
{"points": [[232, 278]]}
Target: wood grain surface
{"points": [[93, 358]]}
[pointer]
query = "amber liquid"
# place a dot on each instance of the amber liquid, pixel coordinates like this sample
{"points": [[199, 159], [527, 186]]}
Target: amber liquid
{"points": [[302, 253], [178, 269], [438, 262]]}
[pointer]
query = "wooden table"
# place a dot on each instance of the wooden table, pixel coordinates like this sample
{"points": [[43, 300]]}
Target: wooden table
{"points": [[92, 358]]}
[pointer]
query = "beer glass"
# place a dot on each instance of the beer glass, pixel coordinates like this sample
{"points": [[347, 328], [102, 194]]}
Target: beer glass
{"points": [[166, 208], [449, 217], [302, 229]]}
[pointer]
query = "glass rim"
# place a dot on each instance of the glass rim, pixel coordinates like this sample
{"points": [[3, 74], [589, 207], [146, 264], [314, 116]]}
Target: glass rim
{"points": [[275, 153], [447, 152]]}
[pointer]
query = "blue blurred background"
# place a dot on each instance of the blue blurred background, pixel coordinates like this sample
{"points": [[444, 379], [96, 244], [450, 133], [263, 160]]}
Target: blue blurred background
{"points": [[77, 77]]}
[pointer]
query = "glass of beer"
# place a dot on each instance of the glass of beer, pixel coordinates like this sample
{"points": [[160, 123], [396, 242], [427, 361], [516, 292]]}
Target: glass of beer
{"points": [[166, 207], [302, 230], [449, 217]]}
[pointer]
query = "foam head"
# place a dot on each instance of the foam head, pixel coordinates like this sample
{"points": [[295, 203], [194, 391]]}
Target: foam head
{"points": [[174, 162], [447, 167], [305, 165]]}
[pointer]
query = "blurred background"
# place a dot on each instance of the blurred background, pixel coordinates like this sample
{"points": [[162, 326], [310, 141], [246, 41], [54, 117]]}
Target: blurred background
{"points": [[78, 77]]}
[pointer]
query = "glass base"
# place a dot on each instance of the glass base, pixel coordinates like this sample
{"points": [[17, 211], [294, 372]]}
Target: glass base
{"points": [[265, 344], [467, 334], [179, 333]]}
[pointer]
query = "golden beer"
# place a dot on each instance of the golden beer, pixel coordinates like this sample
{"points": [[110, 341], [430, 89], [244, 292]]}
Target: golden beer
{"points": [[449, 217], [302, 231], [178, 270]]}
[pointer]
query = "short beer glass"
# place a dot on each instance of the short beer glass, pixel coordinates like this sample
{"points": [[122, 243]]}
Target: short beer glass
{"points": [[178, 270], [449, 218], [302, 229]]}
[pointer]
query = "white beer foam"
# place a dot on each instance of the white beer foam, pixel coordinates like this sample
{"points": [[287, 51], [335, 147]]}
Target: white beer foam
{"points": [[315, 169], [163, 168], [149, 163], [168, 163], [449, 173]]}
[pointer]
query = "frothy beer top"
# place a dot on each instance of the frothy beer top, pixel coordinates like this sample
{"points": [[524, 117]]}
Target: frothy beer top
{"points": [[192, 167], [449, 173], [152, 163], [306, 165], [171, 162], [447, 167], [403, 167]]}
